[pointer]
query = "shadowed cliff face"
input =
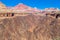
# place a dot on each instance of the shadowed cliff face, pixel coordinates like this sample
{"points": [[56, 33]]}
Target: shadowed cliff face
{"points": [[30, 27]]}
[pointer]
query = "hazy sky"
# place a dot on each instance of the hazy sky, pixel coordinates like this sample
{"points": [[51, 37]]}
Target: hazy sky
{"points": [[34, 3]]}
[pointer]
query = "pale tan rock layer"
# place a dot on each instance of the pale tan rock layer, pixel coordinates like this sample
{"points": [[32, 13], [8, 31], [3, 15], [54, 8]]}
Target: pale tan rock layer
{"points": [[30, 27]]}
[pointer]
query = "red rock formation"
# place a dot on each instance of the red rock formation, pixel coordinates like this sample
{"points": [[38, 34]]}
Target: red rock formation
{"points": [[25, 8]]}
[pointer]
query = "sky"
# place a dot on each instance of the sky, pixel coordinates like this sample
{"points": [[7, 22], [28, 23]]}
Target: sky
{"points": [[41, 4]]}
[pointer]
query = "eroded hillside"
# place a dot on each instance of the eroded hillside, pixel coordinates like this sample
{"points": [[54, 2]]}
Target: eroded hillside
{"points": [[30, 27]]}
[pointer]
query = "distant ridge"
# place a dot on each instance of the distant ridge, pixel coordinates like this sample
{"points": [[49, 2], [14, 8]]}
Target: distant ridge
{"points": [[21, 6], [24, 8], [2, 6]]}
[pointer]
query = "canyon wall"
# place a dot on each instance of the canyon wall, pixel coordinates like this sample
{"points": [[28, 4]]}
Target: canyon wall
{"points": [[30, 27]]}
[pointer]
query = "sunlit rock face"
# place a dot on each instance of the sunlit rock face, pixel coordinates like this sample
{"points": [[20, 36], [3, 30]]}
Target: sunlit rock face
{"points": [[2, 6], [30, 27]]}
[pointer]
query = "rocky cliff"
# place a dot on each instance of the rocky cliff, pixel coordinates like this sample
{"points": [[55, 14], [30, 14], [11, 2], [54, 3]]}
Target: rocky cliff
{"points": [[30, 27]]}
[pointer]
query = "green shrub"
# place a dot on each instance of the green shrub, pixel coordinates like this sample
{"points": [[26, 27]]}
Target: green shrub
{"points": [[57, 38]]}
